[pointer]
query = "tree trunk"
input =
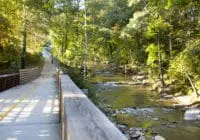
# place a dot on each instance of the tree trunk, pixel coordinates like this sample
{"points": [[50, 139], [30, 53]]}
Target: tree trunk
{"points": [[125, 69], [138, 46], [23, 57], [192, 14], [110, 49], [62, 47], [24, 38], [170, 43], [160, 61], [192, 85], [86, 46], [77, 35], [65, 37], [64, 42], [170, 46]]}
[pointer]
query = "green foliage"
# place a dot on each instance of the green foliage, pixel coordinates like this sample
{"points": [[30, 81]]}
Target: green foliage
{"points": [[76, 75], [160, 34], [9, 58], [186, 63], [16, 18], [35, 59], [155, 26], [152, 60]]}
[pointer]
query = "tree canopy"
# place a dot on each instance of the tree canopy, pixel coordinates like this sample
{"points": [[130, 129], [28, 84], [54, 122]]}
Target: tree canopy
{"points": [[162, 36]]}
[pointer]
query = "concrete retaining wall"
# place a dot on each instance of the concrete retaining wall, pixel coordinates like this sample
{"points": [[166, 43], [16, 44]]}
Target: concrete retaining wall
{"points": [[80, 118]]}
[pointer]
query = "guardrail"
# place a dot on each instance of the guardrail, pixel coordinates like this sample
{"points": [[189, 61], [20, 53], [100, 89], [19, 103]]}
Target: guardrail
{"points": [[25, 75], [80, 118], [9, 80]]}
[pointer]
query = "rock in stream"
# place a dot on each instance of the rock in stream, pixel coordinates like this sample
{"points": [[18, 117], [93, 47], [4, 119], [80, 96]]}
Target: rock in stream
{"points": [[192, 114]]}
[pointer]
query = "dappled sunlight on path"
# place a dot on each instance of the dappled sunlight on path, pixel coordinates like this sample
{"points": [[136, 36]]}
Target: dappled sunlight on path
{"points": [[31, 111]]}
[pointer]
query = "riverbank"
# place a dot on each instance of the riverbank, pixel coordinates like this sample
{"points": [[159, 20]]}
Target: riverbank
{"points": [[141, 113], [168, 93], [135, 109], [152, 122], [188, 101]]}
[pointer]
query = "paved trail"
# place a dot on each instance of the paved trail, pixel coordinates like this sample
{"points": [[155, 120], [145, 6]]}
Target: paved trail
{"points": [[31, 111]]}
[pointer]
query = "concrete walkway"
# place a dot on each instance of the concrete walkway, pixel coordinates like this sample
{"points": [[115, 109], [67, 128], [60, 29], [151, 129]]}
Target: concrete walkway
{"points": [[31, 111]]}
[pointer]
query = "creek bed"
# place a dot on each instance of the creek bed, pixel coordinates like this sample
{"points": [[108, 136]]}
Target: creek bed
{"points": [[137, 106]]}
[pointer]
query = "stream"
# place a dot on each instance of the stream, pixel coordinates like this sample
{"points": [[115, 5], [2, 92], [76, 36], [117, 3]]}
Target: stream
{"points": [[136, 107]]}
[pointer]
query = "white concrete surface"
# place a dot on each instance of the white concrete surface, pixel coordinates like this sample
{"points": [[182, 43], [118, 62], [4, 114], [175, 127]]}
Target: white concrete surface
{"points": [[31, 111]]}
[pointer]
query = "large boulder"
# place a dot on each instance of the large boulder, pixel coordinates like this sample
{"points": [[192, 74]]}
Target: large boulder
{"points": [[167, 90], [139, 77], [192, 114], [158, 137], [137, 133], [123, 128], [85, 91]]}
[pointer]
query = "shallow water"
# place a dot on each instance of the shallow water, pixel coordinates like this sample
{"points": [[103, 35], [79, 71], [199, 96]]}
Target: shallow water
{"points": [[165, 121]]}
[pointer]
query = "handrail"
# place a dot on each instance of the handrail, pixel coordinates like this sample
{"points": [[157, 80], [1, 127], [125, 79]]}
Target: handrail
{"points": [[7, 75], [9, 80], [81, 119], [25, 75]]}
